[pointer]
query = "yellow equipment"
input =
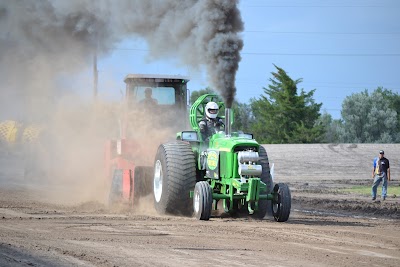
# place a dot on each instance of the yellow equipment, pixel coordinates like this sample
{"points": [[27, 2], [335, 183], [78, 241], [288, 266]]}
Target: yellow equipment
{"points": [[8, 131], [13, 132]]}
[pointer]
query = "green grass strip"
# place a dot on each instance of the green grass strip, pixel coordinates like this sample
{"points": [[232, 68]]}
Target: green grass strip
{"points": [[366, 190]]}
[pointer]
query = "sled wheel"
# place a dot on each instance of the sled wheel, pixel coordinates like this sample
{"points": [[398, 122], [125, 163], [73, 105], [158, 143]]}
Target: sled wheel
{"points": [[142, 183], [137, 185]]}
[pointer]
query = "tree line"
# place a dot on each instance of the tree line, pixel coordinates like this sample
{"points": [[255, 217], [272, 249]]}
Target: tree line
{"points": [[285, 114]]}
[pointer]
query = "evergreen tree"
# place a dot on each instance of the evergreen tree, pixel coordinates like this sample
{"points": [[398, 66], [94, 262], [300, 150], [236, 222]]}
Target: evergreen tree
{"points": [[284, 116]]}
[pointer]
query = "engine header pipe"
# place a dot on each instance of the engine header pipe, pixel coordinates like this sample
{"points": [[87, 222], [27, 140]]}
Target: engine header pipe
{"points": [[228, 122]]}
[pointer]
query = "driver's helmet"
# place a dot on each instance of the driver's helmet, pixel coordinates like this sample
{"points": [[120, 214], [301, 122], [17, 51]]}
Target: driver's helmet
{"points": [[212, 110]]}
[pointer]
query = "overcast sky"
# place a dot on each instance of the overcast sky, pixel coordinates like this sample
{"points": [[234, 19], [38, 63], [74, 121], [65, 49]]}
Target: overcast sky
{"points": [[337, 47]]}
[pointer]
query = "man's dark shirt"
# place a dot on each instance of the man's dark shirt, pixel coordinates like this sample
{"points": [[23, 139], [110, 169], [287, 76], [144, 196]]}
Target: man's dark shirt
{"points": [[383, 165]]}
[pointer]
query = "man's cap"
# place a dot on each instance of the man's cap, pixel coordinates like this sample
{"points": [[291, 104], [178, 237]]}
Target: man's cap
{"points": [[381, 152]]}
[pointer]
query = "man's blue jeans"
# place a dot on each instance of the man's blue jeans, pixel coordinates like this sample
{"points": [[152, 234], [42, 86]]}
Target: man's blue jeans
{"points": [[377, 181]]}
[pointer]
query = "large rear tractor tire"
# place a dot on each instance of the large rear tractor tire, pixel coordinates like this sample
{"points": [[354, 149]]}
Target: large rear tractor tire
{"points": [[282, 203], [174, 178], [264, 206], [202, 201]]}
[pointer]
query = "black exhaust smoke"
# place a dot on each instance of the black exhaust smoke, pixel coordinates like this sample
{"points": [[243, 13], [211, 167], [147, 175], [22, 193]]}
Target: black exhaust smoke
{"points": [[56, 37]]}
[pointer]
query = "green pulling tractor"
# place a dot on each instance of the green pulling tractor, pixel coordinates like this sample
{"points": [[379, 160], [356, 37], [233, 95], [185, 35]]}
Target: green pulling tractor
{"points": [[192, 176]]}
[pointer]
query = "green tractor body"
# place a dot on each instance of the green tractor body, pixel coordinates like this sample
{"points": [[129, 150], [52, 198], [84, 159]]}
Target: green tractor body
{"points": [[230, 167]]}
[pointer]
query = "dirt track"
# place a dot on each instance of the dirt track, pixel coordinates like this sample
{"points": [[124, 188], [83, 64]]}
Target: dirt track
{"points": [[326, 227]]}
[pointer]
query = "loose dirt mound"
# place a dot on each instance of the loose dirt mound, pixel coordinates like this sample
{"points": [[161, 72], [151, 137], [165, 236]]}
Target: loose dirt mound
{"points": [[344, 207], [320, 162]]}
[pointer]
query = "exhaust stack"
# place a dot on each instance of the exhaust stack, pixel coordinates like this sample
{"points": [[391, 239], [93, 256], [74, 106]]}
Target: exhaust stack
{"points": [[227, 122]]}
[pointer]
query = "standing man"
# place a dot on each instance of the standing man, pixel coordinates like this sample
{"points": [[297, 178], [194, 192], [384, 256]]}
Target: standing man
{"points": [[380, 173]]}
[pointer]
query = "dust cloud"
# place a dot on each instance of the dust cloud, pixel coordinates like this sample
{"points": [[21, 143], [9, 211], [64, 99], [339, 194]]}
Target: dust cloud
{"points": [[43, 42]]}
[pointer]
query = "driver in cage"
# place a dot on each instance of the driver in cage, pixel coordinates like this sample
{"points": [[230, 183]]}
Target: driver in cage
{"points": [[211, 123]]}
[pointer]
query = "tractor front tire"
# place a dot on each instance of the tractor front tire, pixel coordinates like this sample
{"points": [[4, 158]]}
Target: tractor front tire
{"points": [[282, 202], [202, 201], [174, 178]]}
